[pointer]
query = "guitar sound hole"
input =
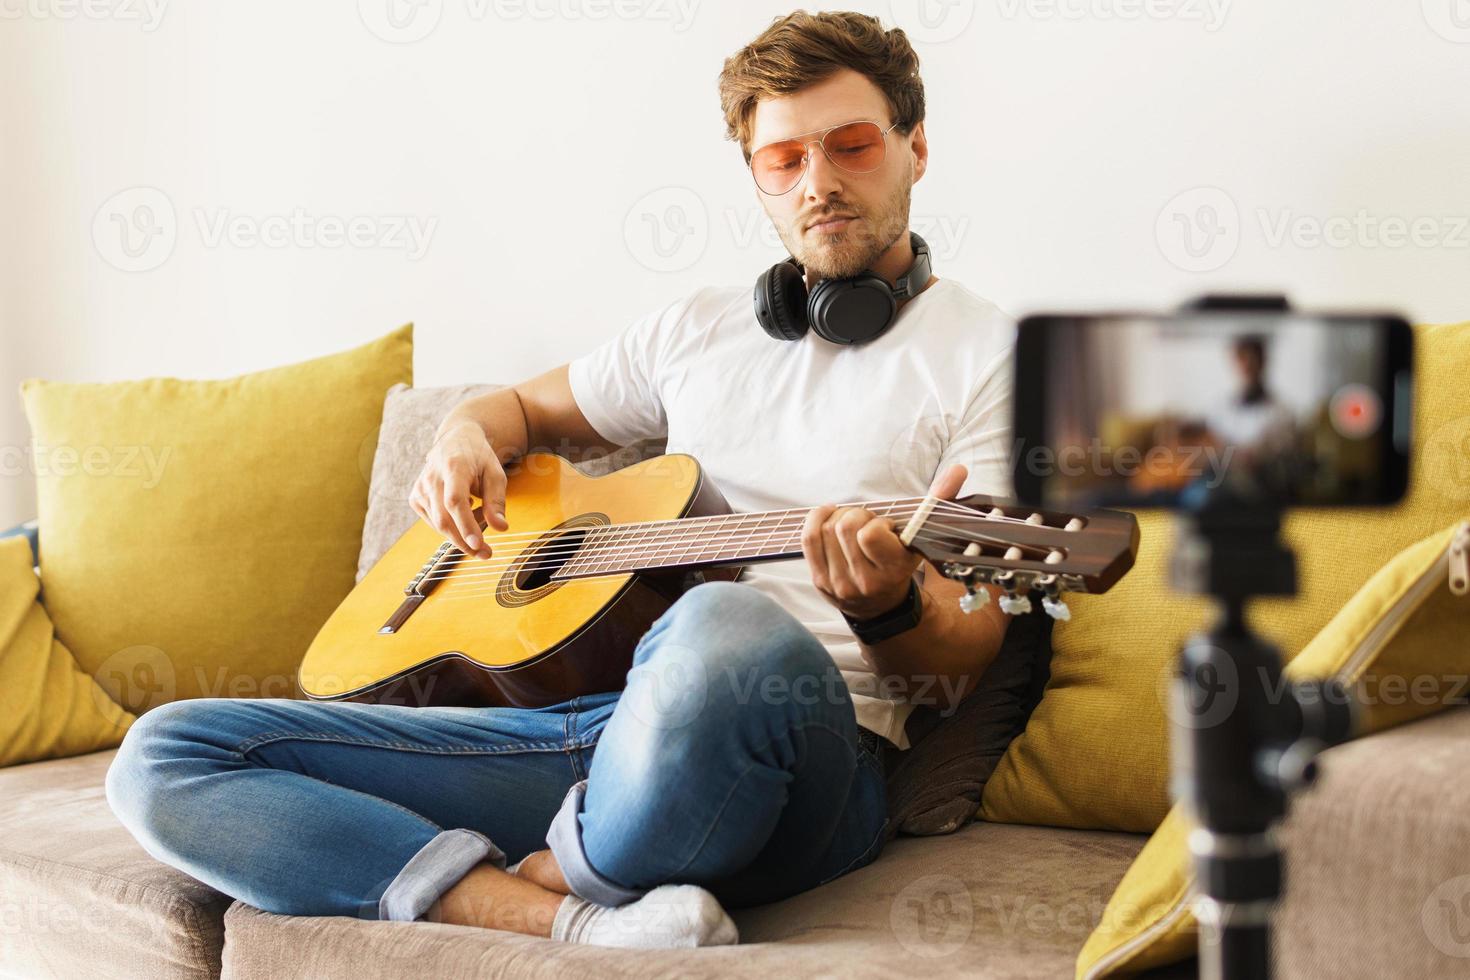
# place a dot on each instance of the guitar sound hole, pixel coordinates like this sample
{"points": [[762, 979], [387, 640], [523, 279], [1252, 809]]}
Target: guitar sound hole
{"points": [[548, 558]]}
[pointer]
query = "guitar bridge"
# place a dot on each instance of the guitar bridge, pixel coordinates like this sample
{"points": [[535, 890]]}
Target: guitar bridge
{"points": [[415, 585], [417, 590]]}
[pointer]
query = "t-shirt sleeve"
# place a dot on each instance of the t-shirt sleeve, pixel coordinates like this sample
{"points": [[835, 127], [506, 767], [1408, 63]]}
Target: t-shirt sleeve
{"points": [[981, 440], [617, 383]]}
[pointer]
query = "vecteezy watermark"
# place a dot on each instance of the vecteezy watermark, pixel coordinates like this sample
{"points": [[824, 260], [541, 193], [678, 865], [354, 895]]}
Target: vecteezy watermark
{"points": [[408, 233], [148, 14], [33, 916], [142, 677], [407, 21], [1025, 915], [1210, 14], [138, 677], [1450, 19], [932, 21], [1444, 463], [918, 446], [679, 14], [945, 234], [1445, 916], [1362, 229], [141, 463], [137, 229], [667, 230], [669, 690], [932, 916], [400, 21], [1198, 230], [1203, 697], [1212, 692], [675, 686], [1207, 465]]}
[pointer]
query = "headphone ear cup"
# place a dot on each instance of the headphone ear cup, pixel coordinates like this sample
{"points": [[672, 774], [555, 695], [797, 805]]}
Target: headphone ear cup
{"points": [[851, 311], [780, 301]]}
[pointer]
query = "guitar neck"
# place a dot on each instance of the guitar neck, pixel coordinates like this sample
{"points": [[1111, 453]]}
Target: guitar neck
{"points": [[706, 542]]}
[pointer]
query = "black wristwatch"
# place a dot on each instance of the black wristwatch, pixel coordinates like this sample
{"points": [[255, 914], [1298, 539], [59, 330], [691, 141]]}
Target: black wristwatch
{"points": [[904, 616]]}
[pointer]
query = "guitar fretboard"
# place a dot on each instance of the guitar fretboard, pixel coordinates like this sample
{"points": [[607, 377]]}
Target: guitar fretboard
{"points": [[702, 542]]}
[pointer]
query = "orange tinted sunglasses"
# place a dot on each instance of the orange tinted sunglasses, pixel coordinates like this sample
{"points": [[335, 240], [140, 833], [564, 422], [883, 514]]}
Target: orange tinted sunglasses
{"points": [[857, 147]]}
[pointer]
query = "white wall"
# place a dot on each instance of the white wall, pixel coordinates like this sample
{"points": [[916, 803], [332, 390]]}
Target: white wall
{"points": [[542, 141]]}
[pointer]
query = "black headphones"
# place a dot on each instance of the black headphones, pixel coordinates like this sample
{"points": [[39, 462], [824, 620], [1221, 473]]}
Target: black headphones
{"points": [[849, 311]]}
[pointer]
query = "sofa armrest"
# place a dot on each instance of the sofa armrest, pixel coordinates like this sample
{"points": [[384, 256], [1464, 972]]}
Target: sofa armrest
{"points": [[1378, 858], [31, 530]]}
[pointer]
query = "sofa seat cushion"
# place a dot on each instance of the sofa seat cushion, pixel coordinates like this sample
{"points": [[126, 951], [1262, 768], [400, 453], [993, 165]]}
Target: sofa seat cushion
{"points": [[989, 901], [80, 898]]}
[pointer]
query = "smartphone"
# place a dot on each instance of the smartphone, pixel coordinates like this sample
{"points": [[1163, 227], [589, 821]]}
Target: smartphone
{"points": [[1166, 410]]}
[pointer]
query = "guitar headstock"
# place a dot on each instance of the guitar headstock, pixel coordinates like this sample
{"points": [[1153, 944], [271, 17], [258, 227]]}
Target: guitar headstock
{"points": [[1020, 549]]}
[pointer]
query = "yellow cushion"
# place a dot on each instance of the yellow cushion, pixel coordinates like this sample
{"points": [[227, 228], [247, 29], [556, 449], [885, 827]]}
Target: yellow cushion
{"points": [[49, 708], [1095, 752], [1408, 670], [195, 534]]}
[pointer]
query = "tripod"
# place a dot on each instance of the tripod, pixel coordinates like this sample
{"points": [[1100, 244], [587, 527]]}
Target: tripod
{"points": [[1244, 739]]}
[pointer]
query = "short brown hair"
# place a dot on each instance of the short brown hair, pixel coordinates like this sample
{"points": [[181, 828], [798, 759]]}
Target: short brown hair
{"points": [[802, 48]]}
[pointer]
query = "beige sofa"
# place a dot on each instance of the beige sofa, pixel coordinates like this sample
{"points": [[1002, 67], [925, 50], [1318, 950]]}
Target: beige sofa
{"points": [[1371, 850]]}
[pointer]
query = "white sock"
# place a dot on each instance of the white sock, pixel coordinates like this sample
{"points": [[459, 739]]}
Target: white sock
{"points": [[669, 917]]}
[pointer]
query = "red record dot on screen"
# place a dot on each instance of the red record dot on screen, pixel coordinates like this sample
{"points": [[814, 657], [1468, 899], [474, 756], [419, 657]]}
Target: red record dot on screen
{"points": [[1355, 411]]}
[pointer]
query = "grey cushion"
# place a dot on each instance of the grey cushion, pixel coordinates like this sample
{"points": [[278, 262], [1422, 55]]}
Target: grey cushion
{"points": [[80, 898], [935, 786], [990, 901]]}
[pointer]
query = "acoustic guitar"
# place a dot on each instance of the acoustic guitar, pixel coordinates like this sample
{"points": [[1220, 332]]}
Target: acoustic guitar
{"points": [[589, 563]]}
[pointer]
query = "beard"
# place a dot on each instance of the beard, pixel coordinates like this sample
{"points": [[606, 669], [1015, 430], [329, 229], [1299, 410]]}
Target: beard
{"points": [[855, 248]]}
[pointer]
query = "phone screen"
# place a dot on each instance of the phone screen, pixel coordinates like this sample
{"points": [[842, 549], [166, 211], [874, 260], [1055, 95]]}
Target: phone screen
{"points": [[1163, 411]]}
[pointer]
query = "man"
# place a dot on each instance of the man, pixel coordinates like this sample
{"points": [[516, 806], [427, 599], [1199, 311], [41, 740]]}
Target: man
{"points": [[635, 819], [1260, 427]]}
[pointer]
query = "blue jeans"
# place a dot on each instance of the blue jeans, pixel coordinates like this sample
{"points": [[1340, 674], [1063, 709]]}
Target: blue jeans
{"points": [[731, 760]]}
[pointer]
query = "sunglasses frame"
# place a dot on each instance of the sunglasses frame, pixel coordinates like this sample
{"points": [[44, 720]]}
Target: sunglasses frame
{"points": [[806, 141]]}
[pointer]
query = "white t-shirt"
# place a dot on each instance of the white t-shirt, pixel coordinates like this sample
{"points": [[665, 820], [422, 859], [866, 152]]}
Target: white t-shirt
{"points": [[779, 424]]}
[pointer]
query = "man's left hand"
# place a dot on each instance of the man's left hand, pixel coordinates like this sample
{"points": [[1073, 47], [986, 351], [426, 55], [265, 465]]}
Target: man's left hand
{"points": [[856, 558]]}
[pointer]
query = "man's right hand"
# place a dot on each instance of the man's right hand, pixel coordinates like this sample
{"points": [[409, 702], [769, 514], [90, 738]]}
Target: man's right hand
{"points": [[461, 463]]}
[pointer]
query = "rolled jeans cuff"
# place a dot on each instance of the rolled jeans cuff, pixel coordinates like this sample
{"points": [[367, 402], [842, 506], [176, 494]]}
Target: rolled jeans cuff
{"points": [[437, 867], [565, 840]]}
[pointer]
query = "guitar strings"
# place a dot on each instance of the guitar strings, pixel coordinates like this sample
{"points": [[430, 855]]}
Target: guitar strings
{"points": [[489, 568], [455, 590], [698, 522], [622, 535], [474, 583], [622, 546]]}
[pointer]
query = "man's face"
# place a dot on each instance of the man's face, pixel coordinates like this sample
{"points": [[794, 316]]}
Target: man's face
{"points": [[875, 205], [1249, 364]]}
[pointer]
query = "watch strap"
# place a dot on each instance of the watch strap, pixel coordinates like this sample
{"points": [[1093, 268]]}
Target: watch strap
{"points": [[904, 616]]}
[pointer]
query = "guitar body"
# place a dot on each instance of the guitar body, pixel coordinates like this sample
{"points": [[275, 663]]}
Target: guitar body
{"points": [[499, 631]]}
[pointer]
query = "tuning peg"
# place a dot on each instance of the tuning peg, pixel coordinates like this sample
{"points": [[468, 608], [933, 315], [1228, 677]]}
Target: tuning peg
{"points": [[1056, 608], [974, 599], [1015, 605]]}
